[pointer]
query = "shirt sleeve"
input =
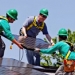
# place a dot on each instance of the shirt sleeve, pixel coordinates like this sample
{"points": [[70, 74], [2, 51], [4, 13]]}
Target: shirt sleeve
{"points": [[45, 31], [6, 28], [52, 49], [28, 21]]}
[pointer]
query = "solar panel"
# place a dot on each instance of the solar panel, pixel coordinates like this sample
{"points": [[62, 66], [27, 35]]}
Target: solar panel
{"points": [[5, 71], [10, 66], [31, 42]]}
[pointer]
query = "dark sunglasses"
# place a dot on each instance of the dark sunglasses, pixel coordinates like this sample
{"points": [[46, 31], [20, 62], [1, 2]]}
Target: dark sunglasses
{"points": [[43, 16]]}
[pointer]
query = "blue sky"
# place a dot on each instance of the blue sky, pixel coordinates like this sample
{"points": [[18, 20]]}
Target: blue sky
{"points": [[61, 15]]}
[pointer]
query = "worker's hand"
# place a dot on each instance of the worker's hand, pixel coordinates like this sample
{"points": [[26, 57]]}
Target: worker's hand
{"points": [[25, 35], [37, 50], [20, 46], [52, 44], [17, 43]]}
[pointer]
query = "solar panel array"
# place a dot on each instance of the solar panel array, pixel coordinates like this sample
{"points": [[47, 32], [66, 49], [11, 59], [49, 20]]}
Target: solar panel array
{"points": [[10, 66]]}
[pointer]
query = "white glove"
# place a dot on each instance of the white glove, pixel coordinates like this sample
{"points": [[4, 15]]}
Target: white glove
{"points": [[52, 43], [37, 50]]}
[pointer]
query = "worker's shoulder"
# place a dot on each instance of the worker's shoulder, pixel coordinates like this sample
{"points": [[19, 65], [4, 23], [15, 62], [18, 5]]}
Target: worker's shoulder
{"points": [[3, 21], [63, 43], [31, 17]]}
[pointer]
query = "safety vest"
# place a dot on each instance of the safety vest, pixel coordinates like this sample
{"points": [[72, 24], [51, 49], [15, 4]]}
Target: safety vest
{"points": [[34, 24], [31, 25], [68, 54], [3, 17]]}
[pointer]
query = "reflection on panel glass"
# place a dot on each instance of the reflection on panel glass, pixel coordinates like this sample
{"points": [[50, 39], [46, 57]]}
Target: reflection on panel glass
{"points": [[14, 67]]}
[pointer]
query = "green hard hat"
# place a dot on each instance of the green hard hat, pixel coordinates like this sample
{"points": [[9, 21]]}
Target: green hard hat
{"points": [[12, 13], [44, 12], [63, 32]]}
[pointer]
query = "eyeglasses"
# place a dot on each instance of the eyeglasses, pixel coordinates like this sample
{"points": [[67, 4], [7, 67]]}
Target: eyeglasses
{"points": [[43, 16]]}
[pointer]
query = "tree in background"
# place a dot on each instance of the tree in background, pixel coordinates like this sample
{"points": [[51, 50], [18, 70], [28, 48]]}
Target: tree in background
{"points": [[48, 59]]}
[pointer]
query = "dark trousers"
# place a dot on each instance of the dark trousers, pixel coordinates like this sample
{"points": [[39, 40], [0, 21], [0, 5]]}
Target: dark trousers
{"points": [[2, 47], [33, 57]]}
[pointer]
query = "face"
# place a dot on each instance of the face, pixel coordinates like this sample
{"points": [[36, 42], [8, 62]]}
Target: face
{"points": [[42, 17], [11, 20]]}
